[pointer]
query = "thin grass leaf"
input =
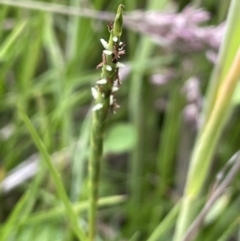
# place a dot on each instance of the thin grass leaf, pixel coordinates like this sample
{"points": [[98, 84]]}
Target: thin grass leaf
{"points": [[9, 226], [56, 178], [60, 212], [227, 53], [165, 225], [59, 9], [204, 148], [79, 159], [12, 38], [143, 50], [169, 139]]}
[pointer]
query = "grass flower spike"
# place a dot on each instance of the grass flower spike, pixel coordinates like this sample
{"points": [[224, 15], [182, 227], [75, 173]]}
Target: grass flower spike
{"points": [[104, 100]]}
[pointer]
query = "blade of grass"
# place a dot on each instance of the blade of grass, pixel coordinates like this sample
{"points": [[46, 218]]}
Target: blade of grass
{"points": [[56, 178], [3, 14], [57, 61], [32, 52], [143, 50], [79, 157], [72, 30], [207, 139], [135, 236], [196, 224], [60, 212], [15, 214], [29, 59], [132, 37], [166, 224], [11, 39], [229, 47], [78, 46], [169, 139], [216, 230], [59, 8], [230, 230], [203, 151]]}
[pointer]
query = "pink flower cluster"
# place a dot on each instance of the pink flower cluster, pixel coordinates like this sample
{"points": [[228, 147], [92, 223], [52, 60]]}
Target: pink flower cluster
{"points": [[178, 31]]}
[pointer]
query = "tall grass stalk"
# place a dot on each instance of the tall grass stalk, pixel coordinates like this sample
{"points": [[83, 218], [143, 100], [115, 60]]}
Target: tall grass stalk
{"points": [[103, 93], [203, 151]]}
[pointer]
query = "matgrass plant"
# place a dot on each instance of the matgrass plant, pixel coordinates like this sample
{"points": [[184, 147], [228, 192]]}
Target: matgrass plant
{"points": [[177, 119], [104, 95]]}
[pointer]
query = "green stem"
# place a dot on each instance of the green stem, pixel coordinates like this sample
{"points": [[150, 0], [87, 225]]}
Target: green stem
{"points": [[98, 125], [104, 99]]}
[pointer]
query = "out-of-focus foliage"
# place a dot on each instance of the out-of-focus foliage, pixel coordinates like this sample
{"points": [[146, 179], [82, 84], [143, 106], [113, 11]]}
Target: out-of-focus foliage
{"points": [[48, 59]]}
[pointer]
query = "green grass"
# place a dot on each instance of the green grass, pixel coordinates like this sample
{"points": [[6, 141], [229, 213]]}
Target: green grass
{"points": [[48, 59]]}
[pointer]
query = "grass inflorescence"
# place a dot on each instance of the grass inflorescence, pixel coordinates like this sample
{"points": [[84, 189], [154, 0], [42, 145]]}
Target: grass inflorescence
{"points": [[104, 100]]}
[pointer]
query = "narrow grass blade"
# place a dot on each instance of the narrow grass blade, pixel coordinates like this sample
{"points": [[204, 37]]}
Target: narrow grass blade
{"points": [[79, 159], [220, 91], [169, 139], [203, 151], [143, 51], [58, 8], [12, 38], [60, 212], [15, 214], [56, 178], [165, 225], [229, 47]]}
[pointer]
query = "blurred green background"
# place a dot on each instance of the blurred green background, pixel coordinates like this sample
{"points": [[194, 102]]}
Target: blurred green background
{"points": [[48, 59]]}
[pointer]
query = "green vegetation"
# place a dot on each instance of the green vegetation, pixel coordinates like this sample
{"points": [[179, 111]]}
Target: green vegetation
{"points": [[163, 166]]}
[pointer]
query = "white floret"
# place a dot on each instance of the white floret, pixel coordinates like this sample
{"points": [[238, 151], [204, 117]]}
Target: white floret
{"points": [[102, 81], [104, 43], [107, 52], [115, 89], [111, 100], [120, 65], [115, 39], [94, 93], [97, 107], [108, 68]]}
